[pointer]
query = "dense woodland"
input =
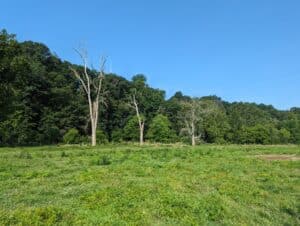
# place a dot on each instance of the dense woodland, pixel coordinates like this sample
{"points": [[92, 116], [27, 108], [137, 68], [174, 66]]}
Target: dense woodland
{"points": [[42, 102]]}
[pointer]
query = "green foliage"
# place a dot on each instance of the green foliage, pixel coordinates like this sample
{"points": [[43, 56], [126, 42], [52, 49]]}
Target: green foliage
{"points": [[117, 135], [284, 136], [101, 137], [50, 135], [149, 99], [264, 134], [160, 130], [131, 130], [43, 100], [24, 155], [256, 134], [32, 112], [292, 124], [64, 154], [72, 137], [85, 139], [104, 160], [215, 122]]}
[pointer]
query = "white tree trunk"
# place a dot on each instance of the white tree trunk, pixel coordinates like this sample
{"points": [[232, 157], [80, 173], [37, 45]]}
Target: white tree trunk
{"points": [[87, 84], [94, 120], [142, 134], [140, 120], [94, 138], [193, 134], [193, 140]]}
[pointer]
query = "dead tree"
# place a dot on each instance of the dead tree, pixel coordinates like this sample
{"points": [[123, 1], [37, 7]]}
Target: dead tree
{"points": [[141, 120], [193, 112], [93, 87], [191, 119]]}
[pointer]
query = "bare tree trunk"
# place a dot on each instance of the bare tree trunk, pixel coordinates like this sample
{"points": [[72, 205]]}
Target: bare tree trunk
{"points": [[96, 84], [193, 140], [94, 141], [141, 126], [192, 115], [193, 134], [142, 134], [94, 121], [193, 128], [140, 120]]}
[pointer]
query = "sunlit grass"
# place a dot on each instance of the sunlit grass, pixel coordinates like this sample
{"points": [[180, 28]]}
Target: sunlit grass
{"points": [[150, 185]]}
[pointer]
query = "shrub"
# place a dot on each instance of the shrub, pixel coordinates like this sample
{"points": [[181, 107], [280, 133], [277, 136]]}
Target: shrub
{"points": [[258, 134], [101, 137], [160, 130], [284, 136], [72, 137], [117, 135], [25, 155], [64, 154], [104, 160], [85, 139], [50, 135], [131, 130]]}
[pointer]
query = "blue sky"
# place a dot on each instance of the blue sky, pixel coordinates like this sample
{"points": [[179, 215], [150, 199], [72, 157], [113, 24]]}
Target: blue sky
{"points": [[240, 50]]}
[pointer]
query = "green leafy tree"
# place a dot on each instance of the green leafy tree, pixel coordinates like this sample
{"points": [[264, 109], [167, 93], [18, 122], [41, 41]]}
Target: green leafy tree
{"points": [[101, 137], [117, 135], [173, 108], [160, 130], [72, 137], [215, 122], [284, 136], [258, 134], [292, 124], [131, 130]]}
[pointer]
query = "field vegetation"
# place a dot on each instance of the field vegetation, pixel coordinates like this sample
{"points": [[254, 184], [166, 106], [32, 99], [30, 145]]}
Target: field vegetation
{"points": [[150, 185]]}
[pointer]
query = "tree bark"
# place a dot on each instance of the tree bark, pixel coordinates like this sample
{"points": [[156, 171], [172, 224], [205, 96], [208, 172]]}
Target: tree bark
{"points": [[193, 134], [94, 121], [94, 141], [190, 120], [193, 140], [140, 120], [87, 84], [142, 135]]}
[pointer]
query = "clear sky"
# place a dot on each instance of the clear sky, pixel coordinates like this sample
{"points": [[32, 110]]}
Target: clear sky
{"points": [[240, 50]]}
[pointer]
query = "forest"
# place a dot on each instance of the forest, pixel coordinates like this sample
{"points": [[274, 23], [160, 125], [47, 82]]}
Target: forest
{"points": [[43, 103]]}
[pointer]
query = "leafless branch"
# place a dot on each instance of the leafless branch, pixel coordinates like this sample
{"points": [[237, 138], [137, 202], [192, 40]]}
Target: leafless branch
{"points": [[79, 78]]}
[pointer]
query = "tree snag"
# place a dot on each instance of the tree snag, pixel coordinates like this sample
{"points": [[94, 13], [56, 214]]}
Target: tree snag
{"points": [[141, 120], [93, 87]]}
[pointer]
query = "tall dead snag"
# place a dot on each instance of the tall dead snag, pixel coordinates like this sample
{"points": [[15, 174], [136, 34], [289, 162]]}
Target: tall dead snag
{"points": [[192, 115], [141, 120], [93, 87], [191, 119]]}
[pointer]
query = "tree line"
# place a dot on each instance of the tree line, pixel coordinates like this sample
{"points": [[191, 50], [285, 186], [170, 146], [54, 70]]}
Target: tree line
{"points": [[43, 101]]}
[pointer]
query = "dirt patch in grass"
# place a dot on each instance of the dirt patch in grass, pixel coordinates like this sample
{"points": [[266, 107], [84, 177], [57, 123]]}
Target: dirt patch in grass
{"points": [[283, 157]]}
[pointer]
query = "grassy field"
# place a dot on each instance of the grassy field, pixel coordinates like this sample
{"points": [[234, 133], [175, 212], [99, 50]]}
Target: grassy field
{"points": [[151, 185]]}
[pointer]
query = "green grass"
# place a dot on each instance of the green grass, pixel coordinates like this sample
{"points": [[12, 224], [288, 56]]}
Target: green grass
{"points": [[151, 185]]}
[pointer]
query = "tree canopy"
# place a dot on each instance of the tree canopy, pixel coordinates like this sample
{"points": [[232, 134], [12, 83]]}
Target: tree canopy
{"points": [[41, 102]]}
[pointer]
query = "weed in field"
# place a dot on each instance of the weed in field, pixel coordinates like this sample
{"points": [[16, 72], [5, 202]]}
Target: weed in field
{"points": [[64, 154], [24, 155], [104, 160]]}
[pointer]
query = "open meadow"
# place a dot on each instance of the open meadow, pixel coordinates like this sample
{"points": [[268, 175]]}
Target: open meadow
{"points": [[150, 185]]}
